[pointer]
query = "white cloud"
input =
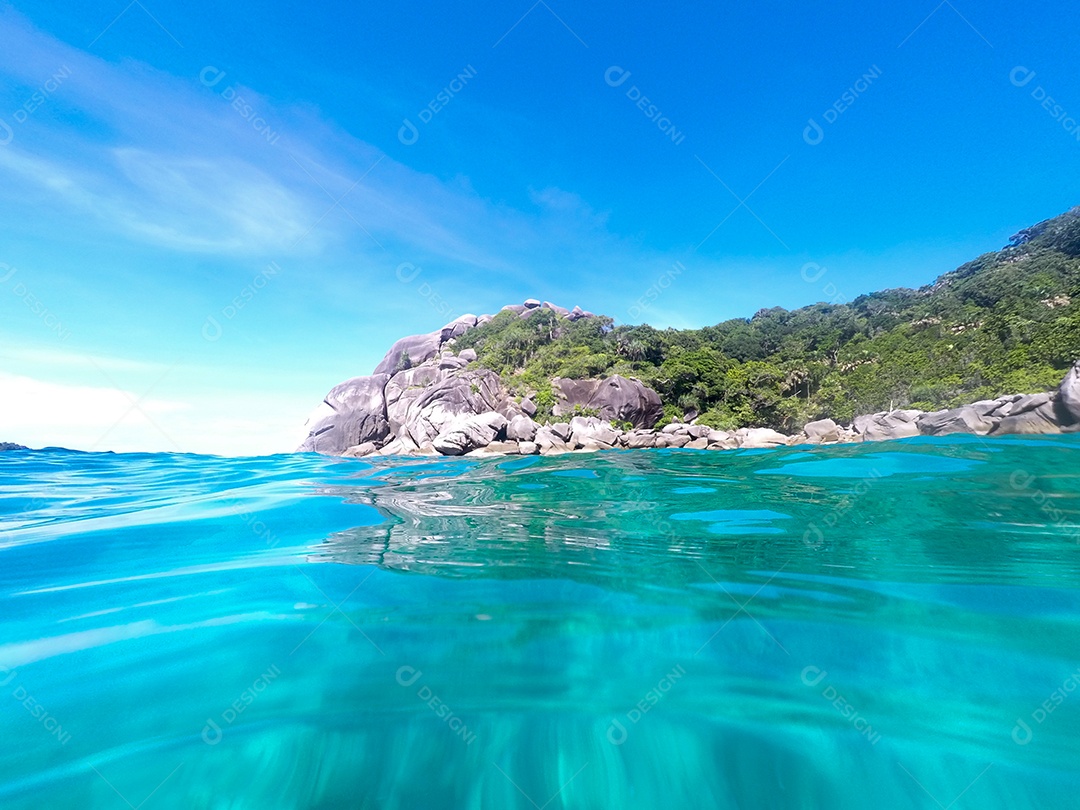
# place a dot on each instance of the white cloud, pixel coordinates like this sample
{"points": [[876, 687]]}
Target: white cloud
{"points": [[43, 413]]}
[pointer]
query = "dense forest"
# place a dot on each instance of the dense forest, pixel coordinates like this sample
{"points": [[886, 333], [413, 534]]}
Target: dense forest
{"points": [[1007, 322]]}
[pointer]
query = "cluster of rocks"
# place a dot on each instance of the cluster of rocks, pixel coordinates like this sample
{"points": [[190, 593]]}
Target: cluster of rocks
{"points": [[425, 399], [417, 349], [10, 446]]}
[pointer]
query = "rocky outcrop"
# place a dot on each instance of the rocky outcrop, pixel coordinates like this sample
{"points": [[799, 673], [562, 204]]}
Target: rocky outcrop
{"points": [[522, 428], [470, 433], [1031, 413], [351, 414], [1049, 412], [426, 399], [419, 398], [408, 352], [967, 419], [4, 446], [760, 438], [1069, 396], [887, 425], [614, 398], [423, 401]]}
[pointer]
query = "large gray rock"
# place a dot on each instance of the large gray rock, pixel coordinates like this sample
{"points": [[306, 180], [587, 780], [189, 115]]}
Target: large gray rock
{"points": [[760, 438], [457, 327], [549, 441], [470, 433], [425, 412], [1032, 413], [498, 448], [636, 439], [1069, 396], [586, 430], [522, 429], [888, 425], [822, 430], [450, 363], [721, 440], [556, 309], [672, 439], [615, 397], [399, 446], [365, 449], [352, 413], [957, 420], [561, 429], [408, 352], [6, 446], [1018, 404], [405, 387]]}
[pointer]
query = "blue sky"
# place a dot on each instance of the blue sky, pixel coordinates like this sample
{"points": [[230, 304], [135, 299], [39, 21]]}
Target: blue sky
{"points": [[207, 210]]}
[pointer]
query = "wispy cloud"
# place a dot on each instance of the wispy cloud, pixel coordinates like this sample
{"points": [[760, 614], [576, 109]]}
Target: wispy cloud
{"points": [[171, 162]]}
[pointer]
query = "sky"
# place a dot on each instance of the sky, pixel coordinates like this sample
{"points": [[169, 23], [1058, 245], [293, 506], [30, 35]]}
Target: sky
{"points": [[210, 214]]}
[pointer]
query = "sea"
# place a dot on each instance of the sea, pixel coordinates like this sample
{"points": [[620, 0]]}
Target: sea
{"points": [[885, 625]]}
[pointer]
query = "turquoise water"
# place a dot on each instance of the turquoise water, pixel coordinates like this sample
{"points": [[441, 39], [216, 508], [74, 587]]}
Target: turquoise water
{"points": [[886, 625]]}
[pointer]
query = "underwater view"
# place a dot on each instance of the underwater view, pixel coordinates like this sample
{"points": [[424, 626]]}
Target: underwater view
{"points": [[894, 623]]}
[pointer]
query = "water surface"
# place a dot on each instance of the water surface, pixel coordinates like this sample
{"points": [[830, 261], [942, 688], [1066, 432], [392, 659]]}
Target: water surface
{"points": [[893, 625]]}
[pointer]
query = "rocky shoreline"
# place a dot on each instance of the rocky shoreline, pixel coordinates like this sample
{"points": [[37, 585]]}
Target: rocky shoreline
{"points": [[424, 398]]}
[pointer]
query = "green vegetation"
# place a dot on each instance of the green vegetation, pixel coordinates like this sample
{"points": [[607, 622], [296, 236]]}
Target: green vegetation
{"points": [[1007, 322]]}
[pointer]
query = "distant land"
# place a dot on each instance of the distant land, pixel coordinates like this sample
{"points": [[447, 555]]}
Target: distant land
{"points": [[908, 360]]}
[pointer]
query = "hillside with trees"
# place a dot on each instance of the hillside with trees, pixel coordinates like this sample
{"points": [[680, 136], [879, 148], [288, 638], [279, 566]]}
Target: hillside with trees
{"points": [[1007, 322]]}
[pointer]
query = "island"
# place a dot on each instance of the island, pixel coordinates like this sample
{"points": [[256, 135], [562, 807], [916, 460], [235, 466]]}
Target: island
{"points": [[536, 377]]}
